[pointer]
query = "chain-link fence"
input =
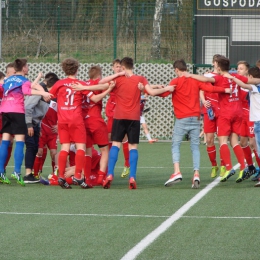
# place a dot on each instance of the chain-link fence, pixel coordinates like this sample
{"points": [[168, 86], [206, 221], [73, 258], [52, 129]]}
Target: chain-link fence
{"points": [[96, 31]]}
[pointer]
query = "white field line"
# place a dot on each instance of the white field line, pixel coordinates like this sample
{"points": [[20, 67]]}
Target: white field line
{"points": [[79, 215], [118, 215], [150, 238], [219, 217]]}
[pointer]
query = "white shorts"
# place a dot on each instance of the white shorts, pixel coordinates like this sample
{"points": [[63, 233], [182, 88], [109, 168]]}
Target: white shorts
{"points": [[142, 120]]}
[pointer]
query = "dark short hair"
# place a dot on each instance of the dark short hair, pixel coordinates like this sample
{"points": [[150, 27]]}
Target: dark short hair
{"points": [[115, 61], [51, 81], [254, 72], [223, 63], [19, 64], [50, 75], [127, 62], [243, 62], [180, 64]]}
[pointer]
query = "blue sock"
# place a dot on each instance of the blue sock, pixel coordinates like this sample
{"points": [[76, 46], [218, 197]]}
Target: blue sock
{"points": [[18, 156], [133, 159], [113, 156], [3, 154]]}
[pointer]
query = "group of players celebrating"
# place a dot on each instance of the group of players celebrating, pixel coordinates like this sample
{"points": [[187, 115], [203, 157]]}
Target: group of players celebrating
{"points": [[76, 109]]}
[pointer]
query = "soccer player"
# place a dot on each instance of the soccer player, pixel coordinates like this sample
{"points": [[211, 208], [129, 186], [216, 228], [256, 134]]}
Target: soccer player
{"points": [[142, 120], [254, 95], [126, 121], [13, 112], [230, 116], [35, 110], [110, 108], [247, 127], [49, 132], [186, 104], [210, 100], [70, 122]]}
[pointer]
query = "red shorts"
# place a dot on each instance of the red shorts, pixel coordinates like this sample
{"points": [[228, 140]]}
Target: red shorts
{"points": [[72, 133], [228, 125], [247, 129], [48, 139], [210, 126], [96, 129], [109, 124]]}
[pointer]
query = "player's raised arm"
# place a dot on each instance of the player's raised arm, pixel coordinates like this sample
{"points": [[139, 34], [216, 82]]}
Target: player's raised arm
{"points": [[111, 77], [200, 78], [158, 91], [239, 82], [96, 98]]}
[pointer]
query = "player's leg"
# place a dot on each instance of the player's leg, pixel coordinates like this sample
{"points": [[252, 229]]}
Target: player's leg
{"points": [[179, 131], [125, 149]]}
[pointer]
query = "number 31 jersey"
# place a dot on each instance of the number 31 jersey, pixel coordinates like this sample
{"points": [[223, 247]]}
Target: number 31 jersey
{"points": [[69, 101]]}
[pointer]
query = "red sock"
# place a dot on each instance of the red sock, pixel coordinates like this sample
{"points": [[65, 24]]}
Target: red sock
{"points": [[10, 148], [87, 168], [44, 154], [79, 163], [225, 153], [69, 180], [212, 154], [36, 165], [247, 155], [126, 153], [257, 158], [72, 158], [101, 176], [240, 156], [62, 161]]}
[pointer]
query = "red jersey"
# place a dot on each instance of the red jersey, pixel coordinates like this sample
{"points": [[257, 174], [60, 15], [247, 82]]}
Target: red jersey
{"points": [[185, 97], [69, 101], [212, 97], [128, 97], [111, 104], [230, 104], [50, 119], [244, 101], [91, 108]]}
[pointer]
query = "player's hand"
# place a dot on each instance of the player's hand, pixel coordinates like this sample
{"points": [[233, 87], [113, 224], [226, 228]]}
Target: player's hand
{"points": [[227, 75], [47, 96], [228, 90], [54, 128], [170, 88], [77, 86], [141, 86], [207, 104], [30, 131], [40, 75], [111, 85]]}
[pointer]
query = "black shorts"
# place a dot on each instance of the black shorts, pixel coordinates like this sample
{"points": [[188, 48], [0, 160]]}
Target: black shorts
{"points": [[14, 123], [129, 127]]}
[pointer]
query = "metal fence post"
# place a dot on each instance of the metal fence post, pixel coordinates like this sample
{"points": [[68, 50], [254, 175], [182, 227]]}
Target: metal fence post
{"points": [[115, 29]]}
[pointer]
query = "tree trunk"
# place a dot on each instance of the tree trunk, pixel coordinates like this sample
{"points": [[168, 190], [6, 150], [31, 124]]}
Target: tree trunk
{"points": [[124, 18], [156, 41]]}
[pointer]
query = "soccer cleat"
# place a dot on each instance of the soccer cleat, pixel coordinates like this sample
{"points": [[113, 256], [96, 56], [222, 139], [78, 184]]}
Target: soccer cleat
{"points": [[132, 183], [4, 179], [175, 177], [256, 176], [214, 171], [195, 181], [100, 179], [30, 178], [222, 171], [227, 175], [107, 182], [125, 172], [64, 185], [251, 171], [242, 175], [18, 177], [153, 140], [257, 184], [81, 183], [44, 181]]}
